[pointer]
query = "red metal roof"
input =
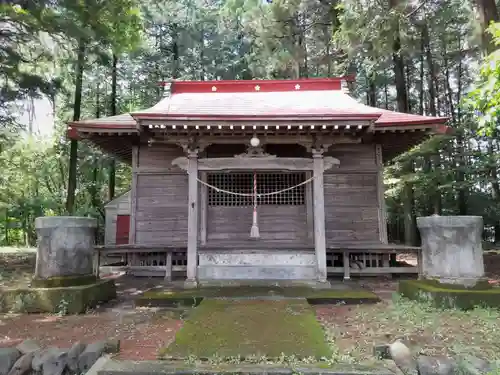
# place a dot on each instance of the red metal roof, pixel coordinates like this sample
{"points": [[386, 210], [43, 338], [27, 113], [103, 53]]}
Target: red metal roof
{"points": [[261, 100], [182, 87]]}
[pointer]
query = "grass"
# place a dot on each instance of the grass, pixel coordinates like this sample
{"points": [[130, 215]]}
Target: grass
{"points": [[16, 250], [246, 328], [16, 266], [425, 329]]}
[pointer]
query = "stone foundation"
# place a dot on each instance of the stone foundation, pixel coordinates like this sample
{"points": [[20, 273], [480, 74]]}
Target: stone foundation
{"points": [[63, 300], [257, 266]]}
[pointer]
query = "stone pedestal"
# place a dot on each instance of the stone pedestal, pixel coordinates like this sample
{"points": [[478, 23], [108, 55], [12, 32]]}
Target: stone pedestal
{"points": [[256, 266], [452, 249], [65, 246], [64, 279]]}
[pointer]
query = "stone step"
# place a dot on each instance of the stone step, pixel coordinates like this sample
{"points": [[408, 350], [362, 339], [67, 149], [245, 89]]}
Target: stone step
{"points": [[116, 367]]}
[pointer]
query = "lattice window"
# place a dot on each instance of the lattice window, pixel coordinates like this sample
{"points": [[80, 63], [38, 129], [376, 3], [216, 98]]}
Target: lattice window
{"points": [[242, 183]]}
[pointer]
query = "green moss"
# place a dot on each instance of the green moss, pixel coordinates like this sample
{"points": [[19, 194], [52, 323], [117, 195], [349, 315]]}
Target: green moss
{"points": [[68, 300], [245, 328], [192, 297], [63, 281], [449, 296], [436, 284]]}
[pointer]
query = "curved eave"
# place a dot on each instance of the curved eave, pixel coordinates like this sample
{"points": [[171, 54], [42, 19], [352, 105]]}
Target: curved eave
{"points": [[435, 126]]}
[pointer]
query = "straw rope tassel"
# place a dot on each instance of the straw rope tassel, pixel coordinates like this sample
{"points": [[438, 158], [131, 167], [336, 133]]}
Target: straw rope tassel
{"points": [[254, 232]]}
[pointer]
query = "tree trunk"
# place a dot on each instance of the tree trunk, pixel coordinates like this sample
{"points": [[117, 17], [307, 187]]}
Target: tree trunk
{"points": [[488, 12], [408, 85], [372, 90], [410, 221], [421, 110], [399, 71], [437, 201], [460, 154], [175, 51], [402, 106], [432, 71], [386, 95], [202, 55], [112, 164], [73, 153]]}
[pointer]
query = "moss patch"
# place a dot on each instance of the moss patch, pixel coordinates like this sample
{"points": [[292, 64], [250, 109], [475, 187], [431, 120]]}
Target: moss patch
{"points": [[66, 300], [449, 296], [245, 328], [193, 297], [63, 281]]}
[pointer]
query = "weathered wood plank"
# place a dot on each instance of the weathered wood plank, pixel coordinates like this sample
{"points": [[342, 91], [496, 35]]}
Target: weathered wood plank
{"points": [[162, 218], [159, 156], [354, 156], [351, 207], [276, 222]]}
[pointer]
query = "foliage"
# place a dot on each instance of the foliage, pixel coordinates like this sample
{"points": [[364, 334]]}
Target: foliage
{"points": [[438, 42], [485, 99]]}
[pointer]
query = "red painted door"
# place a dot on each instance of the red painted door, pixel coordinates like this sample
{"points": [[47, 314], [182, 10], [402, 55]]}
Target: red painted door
{"points": [[122, 229]]}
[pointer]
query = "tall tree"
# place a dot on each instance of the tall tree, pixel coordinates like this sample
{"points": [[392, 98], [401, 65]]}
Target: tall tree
{"points": [[97, 23]]}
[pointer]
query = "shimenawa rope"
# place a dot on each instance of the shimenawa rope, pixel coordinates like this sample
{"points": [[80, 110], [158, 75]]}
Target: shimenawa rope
{"points": [[252, 194], [254, 231]]}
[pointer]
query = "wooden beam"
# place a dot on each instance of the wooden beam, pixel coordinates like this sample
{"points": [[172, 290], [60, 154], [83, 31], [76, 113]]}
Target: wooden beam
{"points": [[133, 195], [203, 209], [309, 209], [382, 215], [193, 203], [319, 214], [256, 163]]}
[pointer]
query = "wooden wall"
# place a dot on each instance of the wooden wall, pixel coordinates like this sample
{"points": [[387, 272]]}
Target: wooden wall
{"points": [[162, 199], [118, 206], [276, 223], [352, 209], [351, 195]]}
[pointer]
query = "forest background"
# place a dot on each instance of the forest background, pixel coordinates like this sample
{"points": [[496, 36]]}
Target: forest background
{"points": [[96, 58]]}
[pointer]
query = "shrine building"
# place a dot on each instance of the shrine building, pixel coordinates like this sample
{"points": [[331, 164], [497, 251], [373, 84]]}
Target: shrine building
{"points": [[261, 180]]}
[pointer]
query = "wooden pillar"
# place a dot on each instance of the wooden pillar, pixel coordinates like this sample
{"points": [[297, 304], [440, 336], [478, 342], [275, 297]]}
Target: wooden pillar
{"points": [[133, 194], [310, 211], [203, 209], [382, 215], [192, 243], [133, 260], [319, 214]]}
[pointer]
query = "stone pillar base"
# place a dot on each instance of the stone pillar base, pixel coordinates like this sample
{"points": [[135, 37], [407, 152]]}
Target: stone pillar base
{"points": [[190, 284], [467, 282], [452, 249]]}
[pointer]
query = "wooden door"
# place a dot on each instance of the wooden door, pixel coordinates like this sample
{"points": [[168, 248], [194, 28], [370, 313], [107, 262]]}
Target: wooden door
{"points": [[122, 229]]}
